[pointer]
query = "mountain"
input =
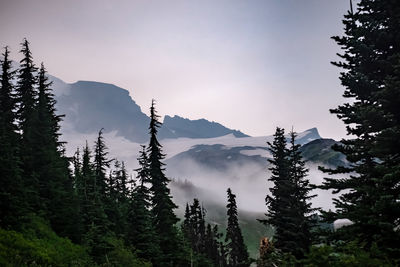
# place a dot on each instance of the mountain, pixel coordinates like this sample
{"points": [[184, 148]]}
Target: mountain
{"points": [[306, 136], [320, 151], [228, 150], [90, 106], [210, 156], [181, 127], [219, 157]]}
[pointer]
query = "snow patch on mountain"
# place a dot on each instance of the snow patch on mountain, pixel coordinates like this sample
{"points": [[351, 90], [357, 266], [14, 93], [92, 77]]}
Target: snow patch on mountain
{"points": [[256, 152]]}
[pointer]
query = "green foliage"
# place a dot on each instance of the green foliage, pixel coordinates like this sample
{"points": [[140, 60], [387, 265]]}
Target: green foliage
{"points": [[204, 242], [350, 254], [11, 204], [236, 249], [141, 232], [289, 206], [26, 96], [50, 165], [39, 245], [122, 256], [162, 204], [275, 257], [370, 63], [341, 254]]}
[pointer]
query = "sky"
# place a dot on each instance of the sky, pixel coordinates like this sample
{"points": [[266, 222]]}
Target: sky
{"points": [[250, 65]]}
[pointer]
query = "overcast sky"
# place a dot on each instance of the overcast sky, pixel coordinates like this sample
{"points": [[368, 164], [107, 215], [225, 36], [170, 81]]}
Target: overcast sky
{"points": [[250, 65]]}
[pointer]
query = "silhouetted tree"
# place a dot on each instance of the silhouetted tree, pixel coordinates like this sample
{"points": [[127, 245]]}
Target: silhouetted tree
{"points": [[141, 232], [237, 251], [371, 61], [301, 218], [11, 204], [279, 203], [289, 208], [50, 165], [101, 164], [26, 114], [162, 204]]}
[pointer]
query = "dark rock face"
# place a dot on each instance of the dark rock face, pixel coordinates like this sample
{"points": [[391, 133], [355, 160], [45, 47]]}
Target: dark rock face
{"points": [[320, 151], [181, 127], [90, 106]]}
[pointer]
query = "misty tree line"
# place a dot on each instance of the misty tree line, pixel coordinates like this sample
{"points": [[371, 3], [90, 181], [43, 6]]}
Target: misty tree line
{"points": [[96, 204]]}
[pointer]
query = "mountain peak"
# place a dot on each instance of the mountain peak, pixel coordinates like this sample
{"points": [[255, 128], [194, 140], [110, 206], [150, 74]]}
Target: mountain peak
{"points": [[313, 131], [308, 136]]}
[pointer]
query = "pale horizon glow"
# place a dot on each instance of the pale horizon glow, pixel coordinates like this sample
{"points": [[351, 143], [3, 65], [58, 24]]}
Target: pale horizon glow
{"points": [[249, 65]]}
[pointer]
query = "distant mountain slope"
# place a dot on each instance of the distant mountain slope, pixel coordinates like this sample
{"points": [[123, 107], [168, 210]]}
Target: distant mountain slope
{"points": [[228, 150], [219, 157], [320, 151], [90, 106], [181, 127], [307, 136]]}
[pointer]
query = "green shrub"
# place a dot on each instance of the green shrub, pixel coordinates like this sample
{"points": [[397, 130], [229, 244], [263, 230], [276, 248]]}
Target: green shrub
{"points": [[123, 256], [350, 254], [39, 245]]}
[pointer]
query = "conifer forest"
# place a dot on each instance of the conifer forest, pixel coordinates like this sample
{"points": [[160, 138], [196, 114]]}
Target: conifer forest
{"points": [[88, 207]]}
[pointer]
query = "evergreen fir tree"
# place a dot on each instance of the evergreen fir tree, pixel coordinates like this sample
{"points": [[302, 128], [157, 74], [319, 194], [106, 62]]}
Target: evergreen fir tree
{"points": [[279, 203], [141, 232], [186, 225], [85, 186], [162, 204], [26, 115], [50, 165], [301, 217], [101, 164], [203, 240], [212, 237], [96, 222], [223, 260], [371, 77], [219, 253], [10, 173], [118, 198], [79, 187], [289, 208], [237, 251], [197, 225]]}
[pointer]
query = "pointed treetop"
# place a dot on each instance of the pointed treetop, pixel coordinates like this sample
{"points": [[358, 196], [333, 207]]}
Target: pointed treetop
{"points": [[351, 7]]}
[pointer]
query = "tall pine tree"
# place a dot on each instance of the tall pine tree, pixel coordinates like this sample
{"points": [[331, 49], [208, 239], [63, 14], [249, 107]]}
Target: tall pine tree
{"points": [[237, 250], [289, 208], [279, 202], [97, 224], [11, 205], [162, 204], [302, 219], [26, 94], [50, 165], [141, 233], [101, 164], [371, 77]]}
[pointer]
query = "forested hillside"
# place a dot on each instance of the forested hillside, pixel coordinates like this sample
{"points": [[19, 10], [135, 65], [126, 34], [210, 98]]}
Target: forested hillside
{"points": [[90, 209]]}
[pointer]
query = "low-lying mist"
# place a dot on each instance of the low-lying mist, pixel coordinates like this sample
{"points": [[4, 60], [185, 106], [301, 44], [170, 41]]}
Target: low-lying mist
{"points": [[249, 181]]}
